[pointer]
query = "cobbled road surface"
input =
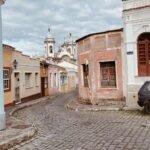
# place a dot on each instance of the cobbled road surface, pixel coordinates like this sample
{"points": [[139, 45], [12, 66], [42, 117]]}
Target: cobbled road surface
{"points": [[62, 129]]}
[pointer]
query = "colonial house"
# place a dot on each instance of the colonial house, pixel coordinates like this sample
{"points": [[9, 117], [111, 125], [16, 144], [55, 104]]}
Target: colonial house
{"points": [[100, 67], [21, 76], [7, 74], [26, 77], [136, 60]]}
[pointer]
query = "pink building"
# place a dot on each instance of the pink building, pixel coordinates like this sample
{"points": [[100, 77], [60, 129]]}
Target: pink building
{"points": [[56, 79], [100, 67]]}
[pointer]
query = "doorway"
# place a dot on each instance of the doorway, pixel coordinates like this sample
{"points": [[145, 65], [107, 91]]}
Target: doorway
{"points": [[43, 86], [17, 88]]}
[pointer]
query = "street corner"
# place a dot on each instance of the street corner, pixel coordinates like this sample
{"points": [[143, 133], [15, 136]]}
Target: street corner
{"points": [[78, 106]]}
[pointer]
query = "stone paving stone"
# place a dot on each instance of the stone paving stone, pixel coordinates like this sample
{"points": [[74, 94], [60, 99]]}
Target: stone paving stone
{"points": [[62, 129]]}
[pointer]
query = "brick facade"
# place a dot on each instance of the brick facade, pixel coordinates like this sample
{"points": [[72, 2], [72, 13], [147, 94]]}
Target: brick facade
{"points": [[93, 51]]}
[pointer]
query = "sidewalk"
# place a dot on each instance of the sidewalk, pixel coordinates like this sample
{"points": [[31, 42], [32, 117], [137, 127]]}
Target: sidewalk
{"points": [[16, 130], [77, 106]]}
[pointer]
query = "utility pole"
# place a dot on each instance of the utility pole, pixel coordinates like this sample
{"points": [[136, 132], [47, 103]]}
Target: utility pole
{"points": [[2, 111]]}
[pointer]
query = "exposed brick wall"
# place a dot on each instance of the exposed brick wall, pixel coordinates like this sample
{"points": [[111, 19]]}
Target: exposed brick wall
{"points": [[99, 48], [100, 43], [114, 40], [87, 44]]}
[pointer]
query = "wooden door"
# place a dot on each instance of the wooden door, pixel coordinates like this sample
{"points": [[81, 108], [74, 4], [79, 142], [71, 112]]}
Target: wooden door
{"points": [[144, 57], [43, 87], [108, 74]]}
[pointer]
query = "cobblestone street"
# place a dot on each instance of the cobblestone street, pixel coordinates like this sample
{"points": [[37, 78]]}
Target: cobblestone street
{"points": [[62, 129]]}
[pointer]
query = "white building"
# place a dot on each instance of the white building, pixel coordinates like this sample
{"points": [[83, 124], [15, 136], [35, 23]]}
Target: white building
{"points": [[136, 57]]}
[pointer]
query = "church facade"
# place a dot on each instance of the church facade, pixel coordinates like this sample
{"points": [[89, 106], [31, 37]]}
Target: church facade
{"points": [[62, 64]]}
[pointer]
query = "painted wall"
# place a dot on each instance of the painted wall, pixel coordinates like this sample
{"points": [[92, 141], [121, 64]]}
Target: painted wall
{"points": [[95, 49], [7, 62], [27, 65], [136, 17]]}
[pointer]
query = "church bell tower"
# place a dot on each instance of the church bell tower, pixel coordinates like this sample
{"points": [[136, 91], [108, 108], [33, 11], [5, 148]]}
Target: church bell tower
{"points": [[49, 45]]}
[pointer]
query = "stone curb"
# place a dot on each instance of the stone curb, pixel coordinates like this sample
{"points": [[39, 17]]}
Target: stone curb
{"points": [[72, 106], [101, 108], [27, 135], [132, 109], [29, 132]]}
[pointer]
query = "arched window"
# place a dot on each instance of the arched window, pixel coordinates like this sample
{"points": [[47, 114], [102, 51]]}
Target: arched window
{"points": [[51, 49], [143, 44]]}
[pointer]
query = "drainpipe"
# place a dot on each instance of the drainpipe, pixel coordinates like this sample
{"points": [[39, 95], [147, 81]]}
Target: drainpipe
{"points": [[2, 111]]}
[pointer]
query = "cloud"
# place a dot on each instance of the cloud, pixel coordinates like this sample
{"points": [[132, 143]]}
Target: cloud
{"points": [[25, 22], [28, 47]]}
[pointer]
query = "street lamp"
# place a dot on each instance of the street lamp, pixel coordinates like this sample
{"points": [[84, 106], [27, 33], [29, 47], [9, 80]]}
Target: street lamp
{"points": [[2, 111], [15, 64]]}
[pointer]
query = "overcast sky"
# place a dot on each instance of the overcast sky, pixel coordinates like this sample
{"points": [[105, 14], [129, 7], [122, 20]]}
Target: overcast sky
{"points": [[25, 22]]}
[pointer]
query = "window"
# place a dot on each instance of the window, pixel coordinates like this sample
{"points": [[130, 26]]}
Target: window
{"points": [[51, 49], [6, 79], [85, 75], [28, 80], [46, 82], [144, 54], [36, 79], [108, 74]]}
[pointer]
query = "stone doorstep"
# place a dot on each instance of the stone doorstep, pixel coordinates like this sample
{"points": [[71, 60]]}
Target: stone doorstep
{"points": [[28, 133]]}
